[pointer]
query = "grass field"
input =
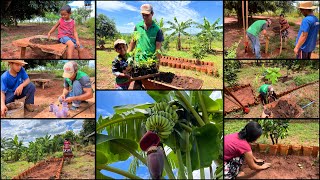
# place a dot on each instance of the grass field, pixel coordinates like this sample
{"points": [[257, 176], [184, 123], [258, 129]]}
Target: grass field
{"points": [[302, 133]]}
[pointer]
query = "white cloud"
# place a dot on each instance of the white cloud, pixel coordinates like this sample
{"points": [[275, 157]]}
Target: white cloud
{"points": [[115, 6], [216, 95], [103, 112], [81, 4], [179, 9], [130, 24], [29, 130]]}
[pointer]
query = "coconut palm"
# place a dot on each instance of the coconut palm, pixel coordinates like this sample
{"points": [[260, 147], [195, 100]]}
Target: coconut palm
{"points": [[199, 130], [179, 28], [210, 31]]}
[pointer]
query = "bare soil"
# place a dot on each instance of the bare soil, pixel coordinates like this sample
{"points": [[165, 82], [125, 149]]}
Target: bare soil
{"points": [[43, 41], [233, 32], [244, 95], [284, 110], [284, 167], [9, 51], [45, 171], [179, 81], [51, 92]]}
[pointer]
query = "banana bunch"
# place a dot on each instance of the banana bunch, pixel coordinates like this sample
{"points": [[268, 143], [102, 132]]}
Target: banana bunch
{"points": [[162, 120]]}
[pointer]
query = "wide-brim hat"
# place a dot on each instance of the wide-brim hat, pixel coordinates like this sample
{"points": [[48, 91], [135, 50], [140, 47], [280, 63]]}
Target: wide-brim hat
{"points": [[22, 62], [307, 5]]}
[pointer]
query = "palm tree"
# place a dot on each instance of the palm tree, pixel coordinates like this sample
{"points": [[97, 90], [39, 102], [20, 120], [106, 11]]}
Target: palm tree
{"points": [[199, 130], [179, 28], [210, 31]]}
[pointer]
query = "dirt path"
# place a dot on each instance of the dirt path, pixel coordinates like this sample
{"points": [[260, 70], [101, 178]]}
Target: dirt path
{"points": [[9, 51], [285, 167], [43, 98], [45, 171]]}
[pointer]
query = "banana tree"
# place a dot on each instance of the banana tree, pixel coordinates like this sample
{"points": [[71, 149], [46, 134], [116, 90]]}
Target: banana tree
{"points": [[195, 139]]}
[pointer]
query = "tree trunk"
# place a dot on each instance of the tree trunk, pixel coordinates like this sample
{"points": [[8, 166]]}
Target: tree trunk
{"points": [[272, 138], [179, 42]]}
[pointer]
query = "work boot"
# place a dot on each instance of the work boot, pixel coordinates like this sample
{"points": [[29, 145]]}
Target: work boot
{"points": [[30, 107]]}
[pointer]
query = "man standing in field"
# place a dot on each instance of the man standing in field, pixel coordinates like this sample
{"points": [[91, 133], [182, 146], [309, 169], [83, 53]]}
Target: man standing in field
{"points": [[150, 38], [150, 35], [253, 33], [307, 35]]}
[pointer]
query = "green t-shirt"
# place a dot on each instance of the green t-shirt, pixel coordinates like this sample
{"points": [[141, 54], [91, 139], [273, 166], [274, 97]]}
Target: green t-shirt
{"points": [[256, 28], [147, 40], [264, 88]]}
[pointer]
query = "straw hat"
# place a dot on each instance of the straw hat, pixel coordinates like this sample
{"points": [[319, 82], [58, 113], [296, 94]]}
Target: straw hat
{"points": [[307, 5], [22, 62]]}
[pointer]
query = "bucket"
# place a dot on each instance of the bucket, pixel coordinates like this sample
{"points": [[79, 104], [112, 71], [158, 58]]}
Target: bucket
{"points": [[15, 110]]}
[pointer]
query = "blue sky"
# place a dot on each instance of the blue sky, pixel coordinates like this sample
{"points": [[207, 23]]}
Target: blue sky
{"points": [[108, 99], [127, 13], [77, 4], [29, 130]]}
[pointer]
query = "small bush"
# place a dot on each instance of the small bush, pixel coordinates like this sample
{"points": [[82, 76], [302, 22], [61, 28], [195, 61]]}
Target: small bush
{"points": [[89, 71]]}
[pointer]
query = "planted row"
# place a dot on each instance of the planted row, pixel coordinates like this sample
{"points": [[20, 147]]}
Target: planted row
{"points": [[284, 150]]}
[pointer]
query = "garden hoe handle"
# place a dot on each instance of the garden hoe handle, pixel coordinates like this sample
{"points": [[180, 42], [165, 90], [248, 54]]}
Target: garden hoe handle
{"points": [[267, 44], [280, 41], [245, 109]]}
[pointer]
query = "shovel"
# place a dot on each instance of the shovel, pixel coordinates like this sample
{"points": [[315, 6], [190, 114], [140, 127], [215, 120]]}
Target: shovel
{"points": [[280, 41], [267, 44]]}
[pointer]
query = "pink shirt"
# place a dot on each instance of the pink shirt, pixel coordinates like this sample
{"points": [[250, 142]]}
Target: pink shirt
{"points": [[66, 28], [66, 145], [234, 146]]}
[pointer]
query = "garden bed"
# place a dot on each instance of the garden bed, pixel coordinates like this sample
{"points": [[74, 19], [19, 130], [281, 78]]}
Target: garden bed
{"points": [[285, 107], [49, 169], [244, 94], [184, 82], [44, 41], [284, 167], [182, 63]]}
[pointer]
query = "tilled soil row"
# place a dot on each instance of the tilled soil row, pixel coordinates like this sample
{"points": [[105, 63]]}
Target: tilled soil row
{"points": [[49, 169]]}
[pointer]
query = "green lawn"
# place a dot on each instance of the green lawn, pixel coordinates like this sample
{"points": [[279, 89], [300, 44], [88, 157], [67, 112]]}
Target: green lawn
{"points": [[303, 133], [13, 169]]}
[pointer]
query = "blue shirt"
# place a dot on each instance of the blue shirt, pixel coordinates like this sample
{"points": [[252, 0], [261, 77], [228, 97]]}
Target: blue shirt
{"points": [[309, 24], [10, 83]]}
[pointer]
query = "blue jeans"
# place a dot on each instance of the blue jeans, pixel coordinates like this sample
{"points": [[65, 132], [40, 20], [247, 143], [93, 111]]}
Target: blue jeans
{"points": [[76, 91], [27, 91], [65, 39], [255, 44]]}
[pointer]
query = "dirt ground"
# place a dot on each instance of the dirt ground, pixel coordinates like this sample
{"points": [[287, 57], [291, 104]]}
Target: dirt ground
{"points": [[244, 95], [45, 171], [51, 92], [233, 33], [9, 51], [301, 96], [284, 167]]}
